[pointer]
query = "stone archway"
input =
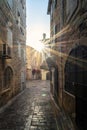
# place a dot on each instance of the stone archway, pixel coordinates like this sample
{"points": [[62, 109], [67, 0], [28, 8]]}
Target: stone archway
{"points": [[76, 82], [8, 76]]}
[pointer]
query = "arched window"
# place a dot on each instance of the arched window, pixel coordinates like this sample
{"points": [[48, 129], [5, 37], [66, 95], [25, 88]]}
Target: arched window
{"points": [[8, 74]]}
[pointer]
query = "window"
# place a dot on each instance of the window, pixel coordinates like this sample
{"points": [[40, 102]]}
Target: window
{"points": [[51, 13], [70, 7], [9, 37], [18, 18], [55, 31], [22, 2], [18, 14], [21, 31], [55, 4]]}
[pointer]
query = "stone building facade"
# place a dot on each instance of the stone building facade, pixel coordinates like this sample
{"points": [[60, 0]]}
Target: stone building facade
{"points": [[12, 48], [68, 31], [33, 62]]}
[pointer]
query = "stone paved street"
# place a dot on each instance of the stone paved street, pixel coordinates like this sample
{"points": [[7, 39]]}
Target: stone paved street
{"points": [[31, 110]]}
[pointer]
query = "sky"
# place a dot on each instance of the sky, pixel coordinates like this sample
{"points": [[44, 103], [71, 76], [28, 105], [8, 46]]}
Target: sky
{"points": [[37, 20]]}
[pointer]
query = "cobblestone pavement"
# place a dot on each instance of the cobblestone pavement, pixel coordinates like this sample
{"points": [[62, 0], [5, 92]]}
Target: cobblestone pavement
{"points": [[31, 110]]}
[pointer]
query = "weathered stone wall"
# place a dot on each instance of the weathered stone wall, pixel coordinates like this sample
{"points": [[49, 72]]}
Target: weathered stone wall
{"points": [[71, 16], [9, 17], [76, 35], [34, 59]]}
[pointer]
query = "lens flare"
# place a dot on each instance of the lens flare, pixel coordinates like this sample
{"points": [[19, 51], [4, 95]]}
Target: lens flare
{"points": [[39, 47]]}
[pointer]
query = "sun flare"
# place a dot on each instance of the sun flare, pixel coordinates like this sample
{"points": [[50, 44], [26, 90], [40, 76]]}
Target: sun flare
{"points": [[39, 47]]}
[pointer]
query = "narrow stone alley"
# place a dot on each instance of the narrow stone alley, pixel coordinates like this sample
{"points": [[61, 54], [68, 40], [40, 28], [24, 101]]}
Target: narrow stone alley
{"points": [[31, 110]]}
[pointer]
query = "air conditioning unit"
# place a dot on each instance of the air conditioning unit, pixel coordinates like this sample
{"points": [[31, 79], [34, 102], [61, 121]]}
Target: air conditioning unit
{"points": [[5, 51]]}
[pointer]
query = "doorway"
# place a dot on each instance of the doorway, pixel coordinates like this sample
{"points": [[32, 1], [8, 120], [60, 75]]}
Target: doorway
{"points": [[76, 82]]}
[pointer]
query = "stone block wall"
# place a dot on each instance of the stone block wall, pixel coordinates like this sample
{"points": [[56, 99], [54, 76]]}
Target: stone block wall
{"points": [[11, 68], [71, 17]]}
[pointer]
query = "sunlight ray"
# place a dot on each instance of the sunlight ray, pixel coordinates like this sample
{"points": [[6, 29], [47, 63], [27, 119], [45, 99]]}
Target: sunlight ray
{"points": [[73, 60]]}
